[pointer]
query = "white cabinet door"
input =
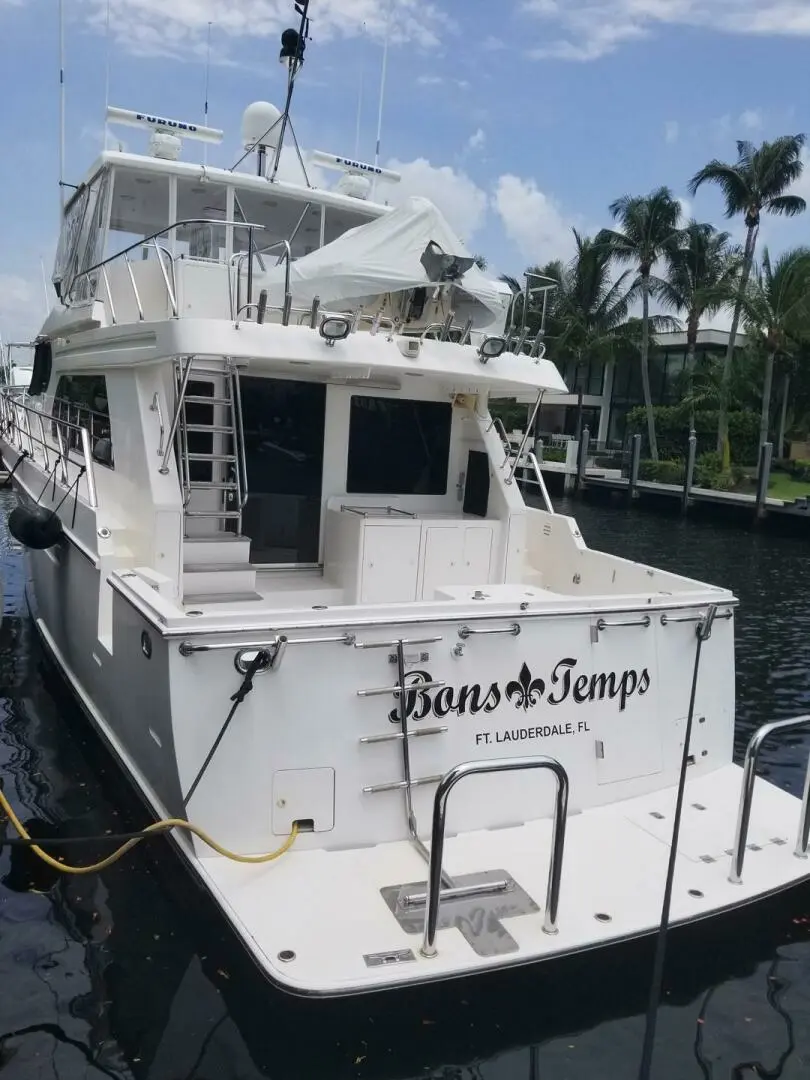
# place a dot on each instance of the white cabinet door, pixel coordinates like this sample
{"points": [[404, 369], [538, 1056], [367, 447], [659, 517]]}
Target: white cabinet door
{"points": [[444, 556], [390, 563], [477, 552]]}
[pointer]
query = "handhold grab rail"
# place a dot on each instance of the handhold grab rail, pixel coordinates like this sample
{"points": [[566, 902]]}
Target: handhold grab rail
{"points": [[747, 795], [446, 785]]}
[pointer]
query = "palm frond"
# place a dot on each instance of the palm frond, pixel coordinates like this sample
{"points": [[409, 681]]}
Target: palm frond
{"points": [[787, 205]]}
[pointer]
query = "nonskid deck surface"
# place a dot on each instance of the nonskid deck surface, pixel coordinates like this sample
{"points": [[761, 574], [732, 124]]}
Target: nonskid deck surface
{"points": [[329, 909]]}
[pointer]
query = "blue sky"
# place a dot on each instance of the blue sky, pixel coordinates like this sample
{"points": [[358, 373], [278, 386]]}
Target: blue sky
{"points": [[519, 118]]}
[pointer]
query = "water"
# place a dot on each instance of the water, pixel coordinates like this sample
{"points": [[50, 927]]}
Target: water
{"points": [[130, 974]]}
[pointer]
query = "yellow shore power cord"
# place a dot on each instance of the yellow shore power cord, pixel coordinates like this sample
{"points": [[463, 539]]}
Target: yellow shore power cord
{"points": [[157, 827]]}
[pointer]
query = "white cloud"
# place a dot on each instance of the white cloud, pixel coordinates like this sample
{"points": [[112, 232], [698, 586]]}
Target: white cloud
{"points": [[589, 29], [459, 198], [533, 221], [22, 306], [477, 140], [672, 130], [751, 119], [179, 29]]}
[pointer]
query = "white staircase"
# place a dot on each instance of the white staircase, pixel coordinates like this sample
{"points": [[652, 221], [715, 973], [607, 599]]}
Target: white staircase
{"points": [[213, 475]]}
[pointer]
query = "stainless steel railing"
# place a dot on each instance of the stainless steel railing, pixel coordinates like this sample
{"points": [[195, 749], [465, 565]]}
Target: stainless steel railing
{"points": [[164, 258], [25, 426], [435, 893], [237, 261], [747, 795]]}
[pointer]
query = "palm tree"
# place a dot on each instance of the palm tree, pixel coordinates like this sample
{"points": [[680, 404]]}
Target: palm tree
{"points": [[702, 277], [589, 311], [649, 225], [757, 182], [776, 306]]}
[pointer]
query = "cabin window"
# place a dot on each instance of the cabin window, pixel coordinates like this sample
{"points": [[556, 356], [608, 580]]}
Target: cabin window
{"points": [[197, 200], [81, 400], [139, 209], [68, 238], [398, 447]]}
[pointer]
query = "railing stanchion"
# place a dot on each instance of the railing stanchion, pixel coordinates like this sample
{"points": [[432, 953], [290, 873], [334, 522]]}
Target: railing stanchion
{"points": [[446, 785]]}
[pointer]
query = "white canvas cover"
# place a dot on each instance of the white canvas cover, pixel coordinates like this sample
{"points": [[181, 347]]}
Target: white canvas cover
{"points": [[383, 256]]}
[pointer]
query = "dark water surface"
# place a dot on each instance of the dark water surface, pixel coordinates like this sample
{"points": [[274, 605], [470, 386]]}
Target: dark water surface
{"points": [[130, 973]]}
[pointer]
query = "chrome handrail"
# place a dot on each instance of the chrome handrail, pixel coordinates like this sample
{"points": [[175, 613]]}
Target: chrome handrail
{"points": [[529, 426], [446, 785], [10, 406], [535, 464], [747, 795], [68, 298]]}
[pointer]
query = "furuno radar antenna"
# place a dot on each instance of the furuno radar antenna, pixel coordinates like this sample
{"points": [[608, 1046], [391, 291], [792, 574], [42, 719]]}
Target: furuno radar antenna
{"points": [[359, 176], [167, 135]]}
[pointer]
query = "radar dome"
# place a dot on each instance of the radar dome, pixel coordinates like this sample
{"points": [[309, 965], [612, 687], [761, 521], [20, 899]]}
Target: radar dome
{"points": [[257, 121]]}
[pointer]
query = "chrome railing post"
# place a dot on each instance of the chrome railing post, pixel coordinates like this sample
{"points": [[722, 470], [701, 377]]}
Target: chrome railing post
{"points": [[109, 294], [803, 836], [529, 426], [250, 266], [535, 464], [747, 794], [134, 287], [155, 407], [164, 468], [239, 434], [92, 498], [446, 785]]}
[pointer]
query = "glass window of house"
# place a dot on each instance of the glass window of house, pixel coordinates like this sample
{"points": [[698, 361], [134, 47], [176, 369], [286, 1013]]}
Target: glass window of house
{"points": [[398, 447]]}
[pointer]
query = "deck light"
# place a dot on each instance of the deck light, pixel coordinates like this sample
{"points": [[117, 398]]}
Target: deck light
{"points": [[334, 328], [490, 348]]}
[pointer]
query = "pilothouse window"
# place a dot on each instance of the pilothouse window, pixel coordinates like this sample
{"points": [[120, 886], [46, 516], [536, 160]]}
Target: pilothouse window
{"points": [[398, 447], [81, 400]]}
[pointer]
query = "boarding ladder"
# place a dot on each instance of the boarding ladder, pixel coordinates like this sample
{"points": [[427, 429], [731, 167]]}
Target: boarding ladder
{"points": [[207, 437], [422, 907], [210, 445]]}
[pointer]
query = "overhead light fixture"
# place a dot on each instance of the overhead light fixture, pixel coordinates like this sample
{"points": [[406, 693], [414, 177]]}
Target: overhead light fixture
{"points": [[490, 348], [334, 328]]}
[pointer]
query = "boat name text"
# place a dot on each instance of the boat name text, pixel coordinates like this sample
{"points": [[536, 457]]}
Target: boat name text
{"points": [[524, 692]]}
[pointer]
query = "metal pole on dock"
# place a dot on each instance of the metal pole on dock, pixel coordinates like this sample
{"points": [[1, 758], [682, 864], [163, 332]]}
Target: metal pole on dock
{"points": [[582, 464], [635, 461], [690, 471], [763, 476]]}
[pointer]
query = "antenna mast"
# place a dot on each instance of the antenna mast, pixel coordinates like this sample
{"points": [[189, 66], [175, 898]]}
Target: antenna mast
{"points": [[293, 44], [61, 107], [107, 75], [207, 74], [382, 92]]}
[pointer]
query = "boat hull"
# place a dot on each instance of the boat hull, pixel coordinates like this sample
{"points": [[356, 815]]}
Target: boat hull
{"points": [[330, 922]]}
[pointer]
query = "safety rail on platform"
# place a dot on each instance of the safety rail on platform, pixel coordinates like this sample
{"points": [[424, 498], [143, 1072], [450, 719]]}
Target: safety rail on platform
{"points": [[25, 428], [165, 258]]}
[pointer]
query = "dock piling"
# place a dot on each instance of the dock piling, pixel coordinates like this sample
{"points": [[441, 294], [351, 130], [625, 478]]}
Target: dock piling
{"points": [[689, 476], [763, 476], [635, 461], [582, 464]]}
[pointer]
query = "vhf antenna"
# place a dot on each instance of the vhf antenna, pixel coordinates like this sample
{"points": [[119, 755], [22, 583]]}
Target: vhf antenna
{"points": [[293, 44]]}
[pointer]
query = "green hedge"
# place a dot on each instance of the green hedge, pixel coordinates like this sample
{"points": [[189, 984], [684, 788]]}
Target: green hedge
{"points": [[672, 431], [552, 453], [799, 470], [663, 472]]}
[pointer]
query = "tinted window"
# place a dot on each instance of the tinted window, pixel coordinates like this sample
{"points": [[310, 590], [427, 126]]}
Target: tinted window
{"points": [[81, 400], [398, 447]]}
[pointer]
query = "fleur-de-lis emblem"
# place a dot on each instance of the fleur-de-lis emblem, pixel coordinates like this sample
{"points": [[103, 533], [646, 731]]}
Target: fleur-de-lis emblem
{"points": [[526, 691]]}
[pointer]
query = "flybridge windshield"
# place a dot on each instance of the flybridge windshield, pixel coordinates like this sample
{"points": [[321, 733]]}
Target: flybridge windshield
{"points": [[126, 205]]}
